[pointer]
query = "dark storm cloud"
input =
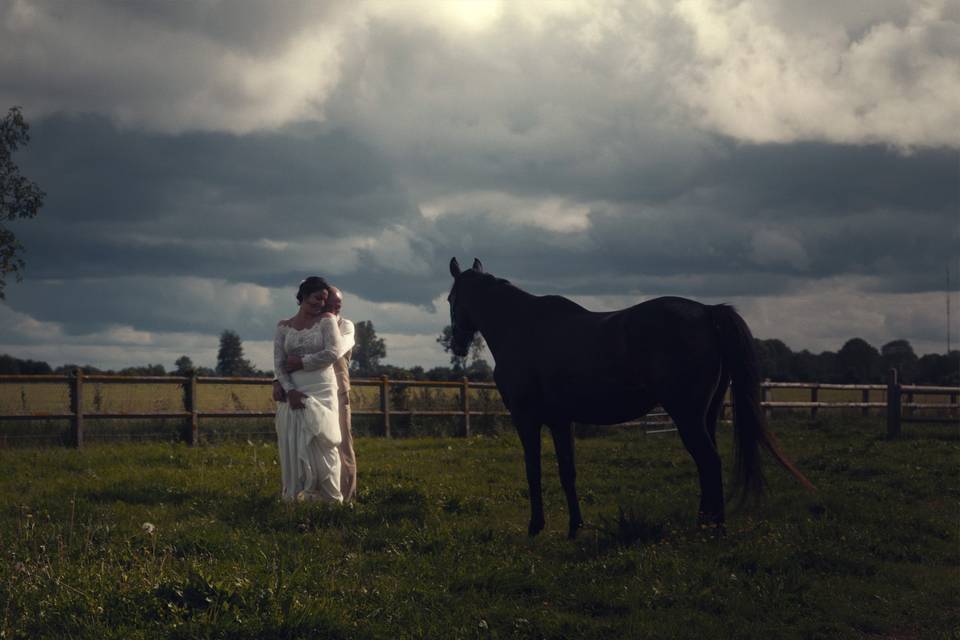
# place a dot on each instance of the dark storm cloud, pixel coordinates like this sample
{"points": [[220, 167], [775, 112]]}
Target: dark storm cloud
{"points": [[197, 204], [757, 218], [833, 179], [731, 220], [130, 176], [147, 303]]}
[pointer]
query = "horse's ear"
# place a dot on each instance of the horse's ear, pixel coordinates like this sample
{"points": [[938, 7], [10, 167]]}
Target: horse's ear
{"points": [[477, 265], [454, 267]]}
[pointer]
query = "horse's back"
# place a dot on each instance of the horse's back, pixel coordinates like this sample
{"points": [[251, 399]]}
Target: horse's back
{"points": [[608, 367]]}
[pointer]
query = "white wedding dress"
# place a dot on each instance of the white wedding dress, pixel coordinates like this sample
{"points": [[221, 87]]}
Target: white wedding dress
{"points": [[307, 438]]}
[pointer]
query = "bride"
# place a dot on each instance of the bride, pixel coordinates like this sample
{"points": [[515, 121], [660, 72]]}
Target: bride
{"points": [[308, 423]]}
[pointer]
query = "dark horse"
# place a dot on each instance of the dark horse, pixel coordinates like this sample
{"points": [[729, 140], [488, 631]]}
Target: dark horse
{"points": [[558, 363]]}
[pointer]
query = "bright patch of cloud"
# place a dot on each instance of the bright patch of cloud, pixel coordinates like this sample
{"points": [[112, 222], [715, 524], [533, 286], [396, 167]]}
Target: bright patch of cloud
{"points": [[125, 335], [761, 78], [232, 297], [772, 247], [162, 78], [273, 245], [395, 249], [24, 327], [554, 214]]}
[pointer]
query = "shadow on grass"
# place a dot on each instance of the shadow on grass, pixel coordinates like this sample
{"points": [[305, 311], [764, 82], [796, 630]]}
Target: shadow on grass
{"points": [[502, 581], [629, 528], [380, 506], [201, 605], [143, 495]]}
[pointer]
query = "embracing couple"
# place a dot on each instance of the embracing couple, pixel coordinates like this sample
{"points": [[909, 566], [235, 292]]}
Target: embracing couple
{"points": [[311, 358]]}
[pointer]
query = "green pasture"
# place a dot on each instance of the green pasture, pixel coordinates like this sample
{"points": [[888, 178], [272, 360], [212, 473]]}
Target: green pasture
{"points": [[162, 540]]}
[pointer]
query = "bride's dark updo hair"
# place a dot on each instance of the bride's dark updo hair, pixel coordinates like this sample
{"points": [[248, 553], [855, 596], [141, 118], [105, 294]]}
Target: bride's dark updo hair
{"points": [[311, 285]]}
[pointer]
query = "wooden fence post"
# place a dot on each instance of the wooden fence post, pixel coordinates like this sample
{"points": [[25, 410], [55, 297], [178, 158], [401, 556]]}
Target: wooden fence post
{"points": [[814, 397], [893, 404], [190, 404], [865, 398], [953, 405], [765, 397], [385, 404], [76, 408], [465, 405]]}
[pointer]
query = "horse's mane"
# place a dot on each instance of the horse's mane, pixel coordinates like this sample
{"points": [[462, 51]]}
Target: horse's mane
{"points": [[557, 303], [489, 280]]}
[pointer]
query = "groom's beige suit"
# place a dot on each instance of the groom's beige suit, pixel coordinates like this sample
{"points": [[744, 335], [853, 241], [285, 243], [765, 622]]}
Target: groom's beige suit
{"points": [[348, 460]]}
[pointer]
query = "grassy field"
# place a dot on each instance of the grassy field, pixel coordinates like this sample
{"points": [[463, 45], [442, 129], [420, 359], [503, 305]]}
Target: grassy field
{"points": [[161, 540]]}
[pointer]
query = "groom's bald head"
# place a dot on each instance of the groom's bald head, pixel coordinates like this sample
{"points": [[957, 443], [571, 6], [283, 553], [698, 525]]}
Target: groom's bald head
{"points": [[334, 300]]}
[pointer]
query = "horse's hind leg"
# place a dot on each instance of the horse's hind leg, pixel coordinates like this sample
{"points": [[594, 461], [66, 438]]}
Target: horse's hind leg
{"points": [[563, 444], [693, 428], [704, 452]]}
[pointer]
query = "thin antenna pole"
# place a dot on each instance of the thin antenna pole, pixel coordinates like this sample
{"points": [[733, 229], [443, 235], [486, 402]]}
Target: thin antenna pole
{"points": [[948, 308]]}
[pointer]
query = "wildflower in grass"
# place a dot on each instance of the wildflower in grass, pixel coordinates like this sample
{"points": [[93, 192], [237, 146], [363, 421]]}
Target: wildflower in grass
{"points": [[148, 528]]}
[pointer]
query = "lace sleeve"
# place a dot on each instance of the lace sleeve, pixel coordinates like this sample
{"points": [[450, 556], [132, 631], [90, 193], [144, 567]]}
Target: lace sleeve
{"points": [[346, 332], [280, 359], [331, 347]]}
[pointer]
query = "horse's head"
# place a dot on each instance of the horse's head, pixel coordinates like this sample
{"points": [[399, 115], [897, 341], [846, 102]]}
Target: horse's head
{"points": [[464, 328]]}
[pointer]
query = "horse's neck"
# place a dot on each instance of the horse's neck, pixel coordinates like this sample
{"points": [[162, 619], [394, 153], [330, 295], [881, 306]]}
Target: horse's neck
{"points": [[498, 311]]}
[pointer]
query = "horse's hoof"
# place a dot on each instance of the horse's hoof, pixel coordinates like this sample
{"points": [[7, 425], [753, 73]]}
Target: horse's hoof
{"points": [[712, 525], [714, 531], [574, 527], [534, 528], [705, 519]]}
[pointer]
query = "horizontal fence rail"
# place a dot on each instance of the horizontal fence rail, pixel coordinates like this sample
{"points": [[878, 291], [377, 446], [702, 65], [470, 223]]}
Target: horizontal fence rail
{"points": [[898, 401]]}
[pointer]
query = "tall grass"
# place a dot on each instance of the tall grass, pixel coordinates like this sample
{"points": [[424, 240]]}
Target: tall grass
{"points": [[161, 540]]}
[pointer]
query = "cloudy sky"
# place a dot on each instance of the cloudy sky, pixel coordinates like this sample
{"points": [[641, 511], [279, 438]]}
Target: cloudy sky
{"points": [[800, 160]]}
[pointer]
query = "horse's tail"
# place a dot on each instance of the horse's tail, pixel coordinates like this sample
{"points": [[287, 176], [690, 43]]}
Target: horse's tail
{"points": [[740, 360]]}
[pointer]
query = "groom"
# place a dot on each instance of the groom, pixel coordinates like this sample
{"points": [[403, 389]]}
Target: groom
{"points": [[341, 369]]}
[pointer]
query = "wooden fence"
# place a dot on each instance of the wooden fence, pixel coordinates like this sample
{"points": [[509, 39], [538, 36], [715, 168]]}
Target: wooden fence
{"points": [[897, 400], [896, 393]]}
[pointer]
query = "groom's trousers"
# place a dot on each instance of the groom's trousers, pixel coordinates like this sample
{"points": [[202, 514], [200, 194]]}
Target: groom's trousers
{"points": [[348, 459]]}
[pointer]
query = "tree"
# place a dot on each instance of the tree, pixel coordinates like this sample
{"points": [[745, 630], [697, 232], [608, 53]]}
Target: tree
{"points": [[938, 369], [776, 360], [899, 355], [184, 366], [9, 364], [859, 362], [367, 350], [474, 351], [230, 360], [479, 369], [19, 197], [70, 368], [147, 370], [806, 367]]}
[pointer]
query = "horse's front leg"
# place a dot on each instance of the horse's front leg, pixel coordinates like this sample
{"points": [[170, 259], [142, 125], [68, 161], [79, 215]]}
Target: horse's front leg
{"points": [[563, 445], [530, 439]]}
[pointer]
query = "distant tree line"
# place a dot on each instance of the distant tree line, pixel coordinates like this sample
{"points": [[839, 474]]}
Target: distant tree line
{"points": [[857, 362]]}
